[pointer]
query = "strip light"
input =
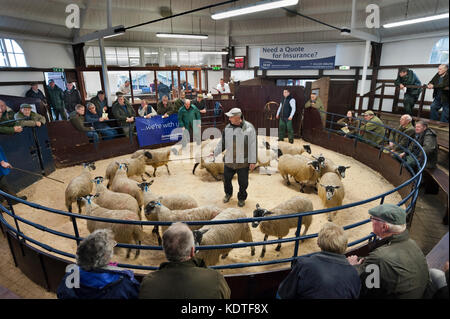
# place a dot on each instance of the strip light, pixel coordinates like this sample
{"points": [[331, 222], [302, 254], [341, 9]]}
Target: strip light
{"points": [[419, 20], [257, 7], [181, 35], [210, 52]]}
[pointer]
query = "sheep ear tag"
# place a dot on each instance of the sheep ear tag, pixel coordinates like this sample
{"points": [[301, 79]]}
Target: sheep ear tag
{"points": [[158, 203], [146, 188]]}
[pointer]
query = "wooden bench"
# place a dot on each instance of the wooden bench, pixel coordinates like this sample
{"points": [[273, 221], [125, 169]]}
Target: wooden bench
{"points": [[435, 179]]}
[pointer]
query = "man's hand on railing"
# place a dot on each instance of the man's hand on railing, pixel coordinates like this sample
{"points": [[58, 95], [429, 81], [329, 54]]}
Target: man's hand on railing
{"points": [[38, 124], [6, 164], [402, 155], [18, 129], [203, 111], [430, 86]]}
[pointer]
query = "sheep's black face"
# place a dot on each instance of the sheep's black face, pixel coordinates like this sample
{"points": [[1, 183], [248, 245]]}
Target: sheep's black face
{"points": [[148, 155], [258, 212], [198, 236], [280, 153], [341, 171], [315, 165], [330, 190], [307, 148], [267, 145], [150, 207]]}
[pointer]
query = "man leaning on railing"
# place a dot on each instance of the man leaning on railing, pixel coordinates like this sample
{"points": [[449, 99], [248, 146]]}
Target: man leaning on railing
{"points": [[408, 77], [7, 123]]}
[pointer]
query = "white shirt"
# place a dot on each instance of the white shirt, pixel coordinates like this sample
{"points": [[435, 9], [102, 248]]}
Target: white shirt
{"points": [[224, 89], [125, 89], [292, 103]]}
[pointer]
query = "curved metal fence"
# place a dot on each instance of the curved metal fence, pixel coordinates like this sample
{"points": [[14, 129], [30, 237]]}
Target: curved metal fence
{"points": [[415, 180]]}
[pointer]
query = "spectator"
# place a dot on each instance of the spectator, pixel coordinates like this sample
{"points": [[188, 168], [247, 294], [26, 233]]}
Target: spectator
{"points": [[183, 276], [439, 84], [34, 92], [71, 97], [163, 90], [427, 139], [77, 119], [372, 132], [27, 117], [146, 110], [186, 117], [4, 185], [200, 103], [165, 108], [323, 275], [125, 88], [98, 122], [399, 142], [439, 283], [240, 157], [408, 77], [100, 102], [185, 86], [285, 113], [223, 87], [98, 277], [56, 100], [124, 114], [403, 270], [317, 103], [7, 115], [350, 123], [179, 102]]}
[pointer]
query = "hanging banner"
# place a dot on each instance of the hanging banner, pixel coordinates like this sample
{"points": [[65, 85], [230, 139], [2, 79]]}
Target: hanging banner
{"points": [[297, 57], [156, 130]]}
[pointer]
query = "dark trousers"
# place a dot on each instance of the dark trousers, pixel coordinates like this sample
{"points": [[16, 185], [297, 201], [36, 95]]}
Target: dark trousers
{"points": [[242, 180], [5, 187]]}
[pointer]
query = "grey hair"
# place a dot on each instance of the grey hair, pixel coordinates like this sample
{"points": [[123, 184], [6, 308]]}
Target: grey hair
{"points": [[96, 250], [332, 238], [187, 100], [89, 104], [177, 242], [408, 117], [396, 229]]}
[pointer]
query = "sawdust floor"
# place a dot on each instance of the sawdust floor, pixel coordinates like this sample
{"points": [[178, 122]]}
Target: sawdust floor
{"points": [[360, 183]]}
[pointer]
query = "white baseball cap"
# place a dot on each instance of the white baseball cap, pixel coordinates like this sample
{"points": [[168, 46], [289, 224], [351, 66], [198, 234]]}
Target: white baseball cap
{"points": [[234, 112]]}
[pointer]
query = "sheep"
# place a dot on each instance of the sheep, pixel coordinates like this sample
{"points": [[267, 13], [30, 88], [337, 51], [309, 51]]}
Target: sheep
{"points": [[280, 227], [136, 166], [123, 233], [304, 171], [155, 211], [112, 200], [214, 168], [331, 192], [288, 148], [329, 166], [221, 234], [159, 158], [265, 156], [79, 186], [122, 184]]}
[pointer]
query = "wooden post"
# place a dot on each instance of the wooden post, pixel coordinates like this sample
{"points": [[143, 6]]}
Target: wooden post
{"points": [[395, 102], [380, 106], [424, 89]]}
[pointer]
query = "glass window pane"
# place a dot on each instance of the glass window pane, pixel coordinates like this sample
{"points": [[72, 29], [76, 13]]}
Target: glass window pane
{"points": [[122, 52], [90, 61], [96, 51], [16, 47], [134, 61], [8, 45], [89, 52], [12, 59], [133, 52], [164, 84], [20, 58], [184, 57], [92, 83], [2, 59], [143, 86], [122, 61], [110, 51], [116, 80], [2, 46], [111, 60]]}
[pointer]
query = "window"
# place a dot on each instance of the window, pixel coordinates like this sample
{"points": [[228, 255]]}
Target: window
{"points": [[439, 53], [120, 56], [151, 56], [11, 54]]}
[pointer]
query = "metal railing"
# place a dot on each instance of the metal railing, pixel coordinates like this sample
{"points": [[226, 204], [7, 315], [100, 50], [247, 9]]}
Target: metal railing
{"points": [[415, 179]]}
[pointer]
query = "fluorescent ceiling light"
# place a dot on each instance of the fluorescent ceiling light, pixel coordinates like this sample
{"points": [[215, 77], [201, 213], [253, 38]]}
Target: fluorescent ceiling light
{"points": [[419, 20], [257, 7], [210, 52], [181, 35]]}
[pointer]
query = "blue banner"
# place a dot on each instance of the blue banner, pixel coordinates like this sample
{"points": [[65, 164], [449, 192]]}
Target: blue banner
{"points": [[156, 130]]}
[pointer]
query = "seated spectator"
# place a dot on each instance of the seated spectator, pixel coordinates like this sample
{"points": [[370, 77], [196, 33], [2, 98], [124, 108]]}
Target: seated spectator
{"points": [[26, 117], [323, 275], [5, 168], [372, 132], [403, 269], [183, 276], [98, 278], [8, 125], [98, 122], [350, 124], [100, 102], [124, 114], [439, 84], [77, 119], [34, 92], [179, 102], [428, 140], [439, 283], [200, 103], [408, 77], [72, 97], [146, 110], [401, 142], [165, 108]]}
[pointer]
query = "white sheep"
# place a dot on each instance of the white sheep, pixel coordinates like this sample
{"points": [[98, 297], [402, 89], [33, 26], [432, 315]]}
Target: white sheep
{"points": [[265, 156], [305, 171], [288, 148], [216, 169], [328, 166], [122, 184], [135, 166], [221, 234], [159, 158], [123, 233], [112, 200], [155, 211], [331, 192], [79, 186], [280, 227]]}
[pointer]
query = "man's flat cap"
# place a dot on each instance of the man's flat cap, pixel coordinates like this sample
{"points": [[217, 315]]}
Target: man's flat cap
{"points": [[390, 213]]}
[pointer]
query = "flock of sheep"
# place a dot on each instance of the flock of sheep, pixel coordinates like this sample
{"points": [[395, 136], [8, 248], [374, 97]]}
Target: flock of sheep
{"points": [[125, 199]]}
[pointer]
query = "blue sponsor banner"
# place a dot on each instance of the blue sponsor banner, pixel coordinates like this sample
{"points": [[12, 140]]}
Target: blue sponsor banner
{"points": [[297, 57], [156, 130]]}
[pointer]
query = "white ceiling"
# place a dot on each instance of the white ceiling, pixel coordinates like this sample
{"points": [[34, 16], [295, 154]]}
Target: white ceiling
{"points": [[46, 19]]}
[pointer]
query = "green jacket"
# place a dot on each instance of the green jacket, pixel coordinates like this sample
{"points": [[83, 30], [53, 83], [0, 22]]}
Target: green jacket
{"points": [[179, 103], [8, 128], [56, 97], [170, 109], [399, 139], [443, 87], [403, 269], [186, 117], [184, 280], [409, 79], [29, 121], [352, 124], [77, 121], [371, 128], [318, 105], [121, 114], [428, 140]]}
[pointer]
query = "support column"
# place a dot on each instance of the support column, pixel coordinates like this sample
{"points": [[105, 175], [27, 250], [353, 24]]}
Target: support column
{"points": [[105, 72], [364, 74]]}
